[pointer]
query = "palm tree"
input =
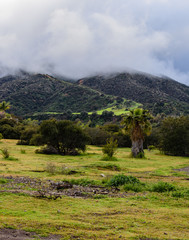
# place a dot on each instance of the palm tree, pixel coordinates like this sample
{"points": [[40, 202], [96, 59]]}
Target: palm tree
{"points": [[4, 106], [138, 125]]}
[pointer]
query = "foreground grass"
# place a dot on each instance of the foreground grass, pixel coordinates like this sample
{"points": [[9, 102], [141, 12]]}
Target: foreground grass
{"points": [[146, 214]]}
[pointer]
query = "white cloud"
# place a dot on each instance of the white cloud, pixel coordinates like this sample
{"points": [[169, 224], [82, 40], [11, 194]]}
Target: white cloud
{"points": [[77, 38]]}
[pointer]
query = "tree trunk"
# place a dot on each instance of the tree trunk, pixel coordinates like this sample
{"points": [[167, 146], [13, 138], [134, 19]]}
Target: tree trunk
{"points": [[137, 147]]}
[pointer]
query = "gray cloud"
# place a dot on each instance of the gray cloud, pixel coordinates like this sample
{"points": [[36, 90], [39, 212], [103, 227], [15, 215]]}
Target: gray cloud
{"points": [[78, 38]]}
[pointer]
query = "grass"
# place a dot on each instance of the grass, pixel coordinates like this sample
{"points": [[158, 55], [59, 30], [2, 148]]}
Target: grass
{"points": [[142, 213]]}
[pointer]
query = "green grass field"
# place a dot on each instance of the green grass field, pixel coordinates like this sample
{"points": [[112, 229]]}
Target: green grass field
{"points": [[143, 215]]}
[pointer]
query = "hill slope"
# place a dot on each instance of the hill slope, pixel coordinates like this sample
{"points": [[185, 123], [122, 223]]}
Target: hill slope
{"points": [[34, 93], [156, 93]]}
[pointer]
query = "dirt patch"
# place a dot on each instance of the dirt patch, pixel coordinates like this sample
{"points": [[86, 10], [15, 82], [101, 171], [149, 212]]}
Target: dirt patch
{"points": [[185, 169], [14, 234], [53, 190]]}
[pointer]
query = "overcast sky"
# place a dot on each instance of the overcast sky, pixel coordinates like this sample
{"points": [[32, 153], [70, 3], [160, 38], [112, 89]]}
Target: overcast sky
{"points": [[77, 38]]}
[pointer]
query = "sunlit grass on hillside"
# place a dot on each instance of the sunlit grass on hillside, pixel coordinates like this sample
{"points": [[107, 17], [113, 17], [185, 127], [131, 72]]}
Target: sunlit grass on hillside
{"points": [[145, 214]]}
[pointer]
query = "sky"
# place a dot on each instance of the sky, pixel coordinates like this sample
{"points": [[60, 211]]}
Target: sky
{"points": [[78, 38]]}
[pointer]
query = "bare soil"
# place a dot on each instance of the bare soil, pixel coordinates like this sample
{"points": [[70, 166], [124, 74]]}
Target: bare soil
{"points": [[53, 190], [15, 234], [185, 169]]}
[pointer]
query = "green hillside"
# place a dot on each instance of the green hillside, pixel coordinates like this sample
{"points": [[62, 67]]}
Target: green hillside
{"points": [[33, 94], [156, 93], [36, 94]]}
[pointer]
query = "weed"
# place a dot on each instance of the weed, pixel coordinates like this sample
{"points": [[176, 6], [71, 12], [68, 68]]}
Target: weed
{"points": [[12, 158], [68, 171], [162, 187], [50, 168], [120, 179], [5, 153], [181, 194], [140, 155], [108, 166], [1, 136], [3, 181], [22, 151], [83, 182], [107, 158], [134, 187]]}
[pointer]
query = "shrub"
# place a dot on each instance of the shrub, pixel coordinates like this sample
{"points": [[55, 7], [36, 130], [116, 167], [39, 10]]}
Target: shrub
{"points": [[108, 166], [107, 158], [27, 134], [50, 168], [120, 179], [3, 181], [151, 147], [1, 136], [136, 187], [22, 151], [47, 149], [162, 187], [36, 140], [110, 148], [174, 136], [64, 136], [181, 193], [5, 153]]}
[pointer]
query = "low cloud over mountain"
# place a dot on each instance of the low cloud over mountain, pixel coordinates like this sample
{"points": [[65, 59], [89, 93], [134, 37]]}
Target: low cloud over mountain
{"points": [[78, 38]]}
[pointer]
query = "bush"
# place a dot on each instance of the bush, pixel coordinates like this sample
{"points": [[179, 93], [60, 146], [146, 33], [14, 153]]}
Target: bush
{"points": [[1, 136], [64, 136], [110, 148], [97, 136], [162, 187], [107, 158], [181, 194], [108, 166], [47, 150], [50, 168], [36, 140], [136, 187], [120, 179], [5, 153], [174, 136], [27, 135], [22, 151]]}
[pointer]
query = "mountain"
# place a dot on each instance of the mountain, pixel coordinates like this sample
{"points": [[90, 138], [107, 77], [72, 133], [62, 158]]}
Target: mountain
{"points": [[159, 94], [36, 93]]}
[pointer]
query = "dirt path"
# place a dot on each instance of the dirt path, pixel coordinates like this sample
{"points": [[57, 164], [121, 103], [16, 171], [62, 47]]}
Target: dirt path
{"points": [[13, 234]]}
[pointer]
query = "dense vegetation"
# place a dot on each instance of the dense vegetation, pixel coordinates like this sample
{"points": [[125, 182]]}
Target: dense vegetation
{"points": [[158, 94], [170, 135], [174, 136], [40, 95]]}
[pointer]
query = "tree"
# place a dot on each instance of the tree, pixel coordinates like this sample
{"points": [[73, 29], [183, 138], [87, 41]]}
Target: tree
{"points": [[174, 136], [64, 136], [137, 123]]}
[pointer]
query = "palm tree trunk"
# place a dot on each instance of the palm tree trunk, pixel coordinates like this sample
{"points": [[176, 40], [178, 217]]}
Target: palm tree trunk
{"points": [[137, 147]]}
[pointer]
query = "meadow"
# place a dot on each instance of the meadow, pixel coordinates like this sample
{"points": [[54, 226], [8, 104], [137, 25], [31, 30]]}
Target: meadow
{"points": [[129, 214]]}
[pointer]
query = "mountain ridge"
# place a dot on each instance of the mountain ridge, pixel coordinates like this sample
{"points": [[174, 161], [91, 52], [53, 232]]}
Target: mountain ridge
{"points": [[143, 88], [31, 93]]}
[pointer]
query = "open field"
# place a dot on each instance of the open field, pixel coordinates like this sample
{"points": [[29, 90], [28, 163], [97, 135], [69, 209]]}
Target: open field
{"points": [[122, 215]]}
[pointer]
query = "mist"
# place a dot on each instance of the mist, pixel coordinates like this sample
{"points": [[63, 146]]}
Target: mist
{"points": [[86, 37]]}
